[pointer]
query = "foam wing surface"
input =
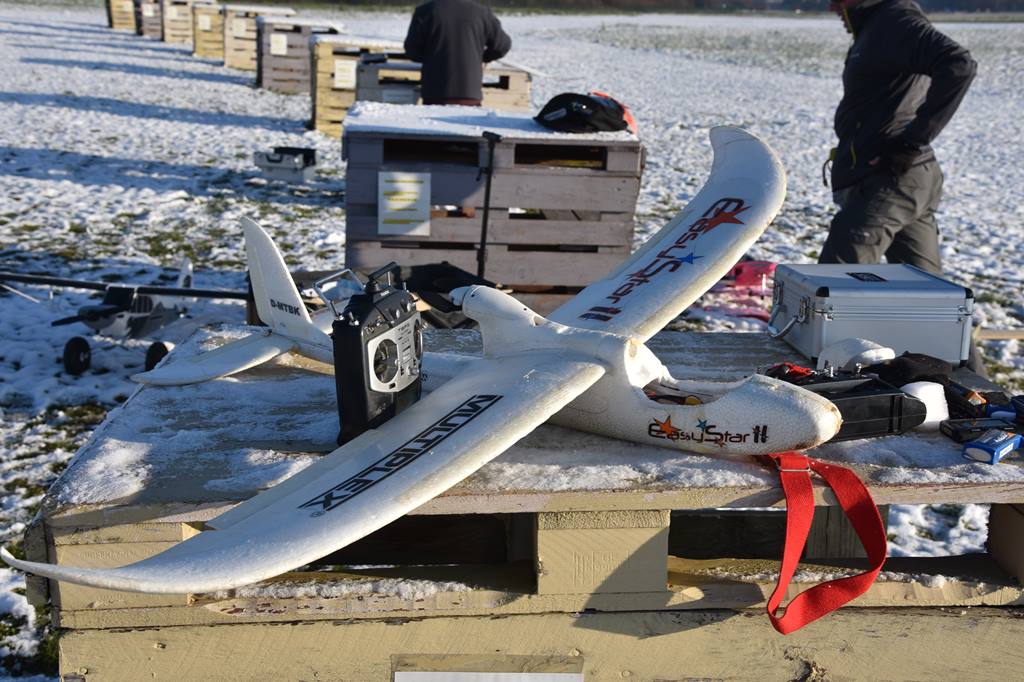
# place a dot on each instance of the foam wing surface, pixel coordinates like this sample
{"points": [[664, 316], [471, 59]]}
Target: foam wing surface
{"points": [[230, 358], [363, 485], [744, 191]]}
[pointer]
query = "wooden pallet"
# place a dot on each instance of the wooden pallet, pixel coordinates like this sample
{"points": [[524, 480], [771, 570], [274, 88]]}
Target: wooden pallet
{"points": [[149, 19], [335, 60], [177, 18], [647, 579], [121, 15], [208, 30], [240, 44], [397, 81], [284, 57]]}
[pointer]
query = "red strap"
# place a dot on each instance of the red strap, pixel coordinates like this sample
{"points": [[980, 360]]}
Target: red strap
{"points": [[860, 509]]}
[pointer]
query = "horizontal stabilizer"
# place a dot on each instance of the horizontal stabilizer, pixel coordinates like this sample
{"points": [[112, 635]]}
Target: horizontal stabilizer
{"points": [[232, 357]]}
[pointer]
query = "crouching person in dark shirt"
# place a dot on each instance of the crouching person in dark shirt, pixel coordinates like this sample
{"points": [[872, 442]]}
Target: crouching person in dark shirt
{"points": [[453, 39], [902, 83]]}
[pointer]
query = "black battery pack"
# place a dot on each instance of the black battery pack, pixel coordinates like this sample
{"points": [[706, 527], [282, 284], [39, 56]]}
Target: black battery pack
{"points": [[378, 350], [870, 407], [963, 430]]}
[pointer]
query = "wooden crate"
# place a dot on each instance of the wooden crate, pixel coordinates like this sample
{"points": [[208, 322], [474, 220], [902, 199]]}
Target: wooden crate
{"points": [[121, 15], [562, 207], [240, 45], [335, 60], [177, 17], [208, 31], [284, 57], [602, 580], [149, 19], [397, 81]]}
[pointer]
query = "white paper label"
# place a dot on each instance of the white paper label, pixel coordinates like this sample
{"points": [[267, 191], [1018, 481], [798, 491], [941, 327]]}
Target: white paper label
{"points": [[239, 27], [279, 44], [204, 22], [172, 11], [403, 203], [344, 74], [147, 11], [127, 6]]}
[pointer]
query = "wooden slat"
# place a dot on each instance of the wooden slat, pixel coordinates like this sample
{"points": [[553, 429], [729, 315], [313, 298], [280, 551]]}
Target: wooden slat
{"points": [[547, 188], [510, 589], [852, 644], [547, 268], [608, 230]]}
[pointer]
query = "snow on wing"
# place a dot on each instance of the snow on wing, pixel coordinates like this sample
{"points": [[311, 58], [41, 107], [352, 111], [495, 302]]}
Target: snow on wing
{"points": [[694, 250], [370, 482], [230, 358]]}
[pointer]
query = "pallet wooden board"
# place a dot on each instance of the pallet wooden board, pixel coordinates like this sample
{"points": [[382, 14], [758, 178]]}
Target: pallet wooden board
{"points": [[177, 18], [894, 644], [284, 56], [505, 264], [510, 590]]}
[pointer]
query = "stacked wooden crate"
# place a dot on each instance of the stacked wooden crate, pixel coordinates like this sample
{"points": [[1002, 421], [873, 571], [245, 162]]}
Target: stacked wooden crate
{"points": [[561, 211], [561, 572], [177, 17], [335, 62], [397, 81], [208, 30], [240, 45], [121, 15], [284, 58], [149, 20]]}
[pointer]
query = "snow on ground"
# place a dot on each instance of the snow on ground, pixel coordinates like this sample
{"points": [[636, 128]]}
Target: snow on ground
{"points": [[119, 154]]}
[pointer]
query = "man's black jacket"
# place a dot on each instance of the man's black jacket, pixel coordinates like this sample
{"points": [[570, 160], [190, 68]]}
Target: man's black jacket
{"points": [[452, 39], [902, 83]]}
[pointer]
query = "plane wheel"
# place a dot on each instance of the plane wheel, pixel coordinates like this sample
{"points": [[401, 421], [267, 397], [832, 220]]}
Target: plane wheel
{"points": [[77, 355], [155, 353]]}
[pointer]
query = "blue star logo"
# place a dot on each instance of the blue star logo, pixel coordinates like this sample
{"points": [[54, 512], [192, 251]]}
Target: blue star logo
{"points": [[702, 424], [689, 258]]}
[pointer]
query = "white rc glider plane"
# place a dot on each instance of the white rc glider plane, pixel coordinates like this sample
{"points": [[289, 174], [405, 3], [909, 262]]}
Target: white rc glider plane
{"points": [[585, 367]]}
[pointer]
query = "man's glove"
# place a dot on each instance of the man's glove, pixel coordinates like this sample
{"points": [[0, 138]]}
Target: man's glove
{"points": [[898, 155]]}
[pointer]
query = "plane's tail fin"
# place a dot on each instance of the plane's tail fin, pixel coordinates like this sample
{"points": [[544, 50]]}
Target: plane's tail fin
{"points": [[185, 273], [277, 300]]}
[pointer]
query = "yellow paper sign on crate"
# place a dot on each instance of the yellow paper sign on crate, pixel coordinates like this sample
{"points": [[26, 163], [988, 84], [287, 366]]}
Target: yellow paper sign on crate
{"points": [[344, 74], [403, 203]]}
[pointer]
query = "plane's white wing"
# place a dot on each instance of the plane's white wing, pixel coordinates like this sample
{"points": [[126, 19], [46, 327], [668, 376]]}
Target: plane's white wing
{"points": [[364, 485], [693, 251], [230, 358]]}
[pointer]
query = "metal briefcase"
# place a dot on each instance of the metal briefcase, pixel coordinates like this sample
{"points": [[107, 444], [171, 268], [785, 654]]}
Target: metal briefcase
{"points": [[899, 306]]}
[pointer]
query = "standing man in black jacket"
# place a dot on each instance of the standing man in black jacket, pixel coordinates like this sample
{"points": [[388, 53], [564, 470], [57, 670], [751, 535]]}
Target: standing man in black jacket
{"points": [[453, 39], [902, 83]]}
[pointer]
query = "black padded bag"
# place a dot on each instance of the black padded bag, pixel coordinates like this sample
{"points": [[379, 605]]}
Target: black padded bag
{"points": [[572, 112]]}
